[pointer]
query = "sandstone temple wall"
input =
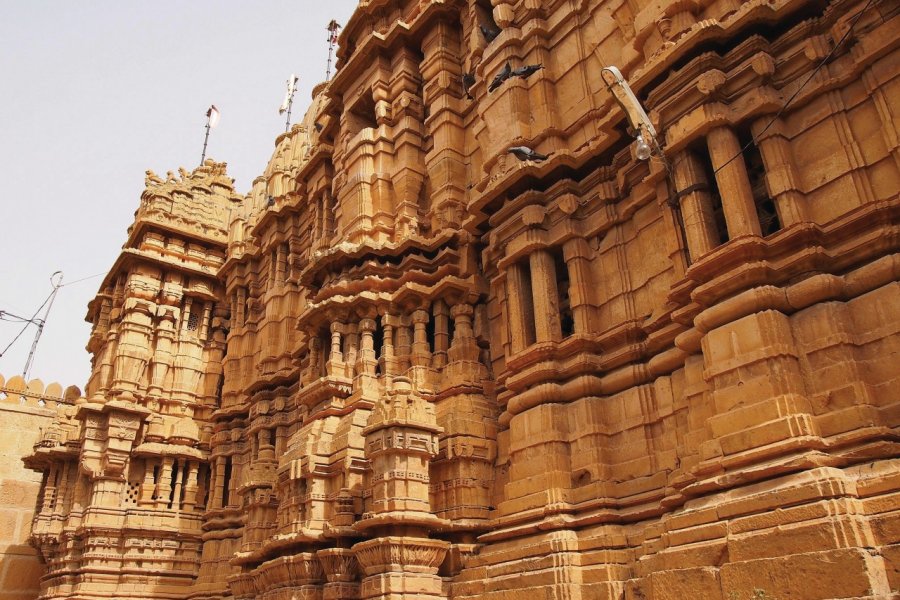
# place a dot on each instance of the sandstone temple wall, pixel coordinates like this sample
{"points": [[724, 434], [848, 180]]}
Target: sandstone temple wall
{"points": [[26, 409], [410, 364]]}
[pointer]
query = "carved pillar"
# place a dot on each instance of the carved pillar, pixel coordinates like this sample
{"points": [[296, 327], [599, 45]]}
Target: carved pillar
{"points": [[366, 361], [421, 350], [336, 358], [464, 345], [733, 182], [407, 111], [190, 486], [61, 489], [133, 350], [351, 337], [219, 483], [441, 334], [696, 204], [148, 487], [180, 470], [163, 356], [105, 369], [387, 351], [445, 161], [281, 260], [241, 314], [205, 320], [782, 178], [518, 295], [403, 346], [164, 486], [546, 296], [577, 254]]}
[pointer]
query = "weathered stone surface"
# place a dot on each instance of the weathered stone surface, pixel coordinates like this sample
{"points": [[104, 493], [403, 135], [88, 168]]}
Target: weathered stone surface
{"points": [[408, 364]]}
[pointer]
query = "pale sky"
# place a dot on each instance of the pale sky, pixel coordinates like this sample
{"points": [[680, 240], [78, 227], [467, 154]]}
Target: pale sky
{"points": [[92, 94]]}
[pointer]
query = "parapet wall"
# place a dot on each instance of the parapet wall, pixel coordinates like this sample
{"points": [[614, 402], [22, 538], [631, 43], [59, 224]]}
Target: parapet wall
{"points": [[25, 408]]}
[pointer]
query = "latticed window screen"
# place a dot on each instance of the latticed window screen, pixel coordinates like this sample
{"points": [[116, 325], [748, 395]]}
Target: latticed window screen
{"points": [[193, 321]]}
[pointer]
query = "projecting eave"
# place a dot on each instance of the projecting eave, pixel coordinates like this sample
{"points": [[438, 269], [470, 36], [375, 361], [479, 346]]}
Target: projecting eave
{"points": [[130, 256]]}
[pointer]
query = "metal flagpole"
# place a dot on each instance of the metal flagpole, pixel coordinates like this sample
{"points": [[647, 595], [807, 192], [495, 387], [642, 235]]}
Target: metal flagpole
{"points": [[212, 117], [333, 28], [41, 322], [288, 102]]}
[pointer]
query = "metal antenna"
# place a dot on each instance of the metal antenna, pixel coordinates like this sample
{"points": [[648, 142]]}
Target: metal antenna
{"points": [[333, 29], [41, 322]]}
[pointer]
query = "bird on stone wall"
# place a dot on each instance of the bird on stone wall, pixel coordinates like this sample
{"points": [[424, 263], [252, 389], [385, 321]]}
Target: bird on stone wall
{"points": [[468, 80], [526, 71], [500, 77], [524, 153], [489, 33]]}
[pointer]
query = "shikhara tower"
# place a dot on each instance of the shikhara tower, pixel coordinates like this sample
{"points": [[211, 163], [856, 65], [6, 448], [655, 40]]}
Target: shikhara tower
{"points": [[409, 365]]}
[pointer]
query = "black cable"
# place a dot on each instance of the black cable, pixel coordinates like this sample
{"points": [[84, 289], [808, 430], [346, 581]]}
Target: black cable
{"points": [[753, 139], [29, 322]]}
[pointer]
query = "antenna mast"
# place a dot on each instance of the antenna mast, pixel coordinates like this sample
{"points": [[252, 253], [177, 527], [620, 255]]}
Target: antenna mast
{"points": [[41, 322], [333, 29]]}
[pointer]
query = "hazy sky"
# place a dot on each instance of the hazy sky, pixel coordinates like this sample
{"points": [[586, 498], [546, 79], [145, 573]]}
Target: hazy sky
{"points": [[92, 94]]}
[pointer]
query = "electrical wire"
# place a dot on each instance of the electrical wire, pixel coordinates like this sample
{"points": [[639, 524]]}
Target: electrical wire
{"points": [[27, 323], [821, 64], [84, 278]]}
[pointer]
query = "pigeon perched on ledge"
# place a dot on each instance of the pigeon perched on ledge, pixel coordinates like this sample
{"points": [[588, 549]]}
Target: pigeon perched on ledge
{"points": [[468, 80], [525, 153], [489, 33], [500, 77], [526, 71]]}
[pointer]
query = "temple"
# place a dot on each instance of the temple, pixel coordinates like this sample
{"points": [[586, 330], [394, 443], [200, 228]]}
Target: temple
{"points": [[409, 364]]}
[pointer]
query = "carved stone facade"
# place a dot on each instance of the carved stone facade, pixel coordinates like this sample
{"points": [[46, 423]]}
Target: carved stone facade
{"points": [[27, 410], [408, 364]]}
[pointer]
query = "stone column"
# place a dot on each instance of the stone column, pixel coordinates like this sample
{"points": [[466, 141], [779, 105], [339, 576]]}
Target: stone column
{"points": [[148, 488], [218, 491], [520, 315], [782, 178], [163, 355], [404, 345], [180, 470], [696, 204], [164, 484], [387, 349], [351, 337], [733, 182], [545, 296], [441, 334], [464, 346], [577, 254], [421, 350], [366, 361], [281, 259], [205, 320], [336, 358], [446, 162], [190, 486]]}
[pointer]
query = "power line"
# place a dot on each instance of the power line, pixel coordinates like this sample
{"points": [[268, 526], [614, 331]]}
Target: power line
{"points": [[84, 278], [821, 64], [28, 322]]}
